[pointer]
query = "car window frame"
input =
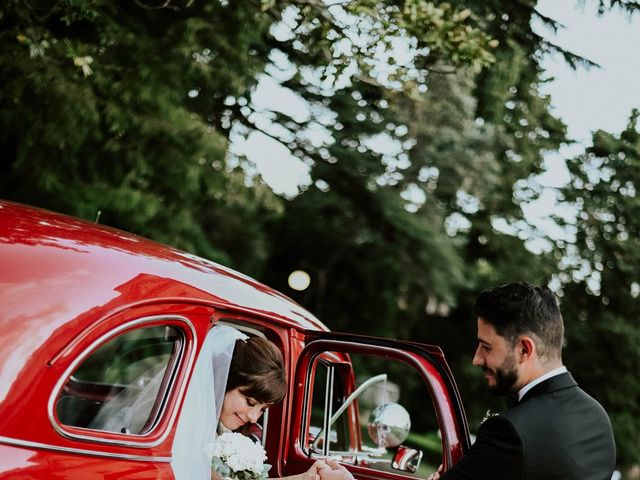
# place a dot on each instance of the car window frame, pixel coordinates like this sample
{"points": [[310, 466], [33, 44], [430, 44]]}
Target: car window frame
{"points": [[154, 436], [429, 363]]}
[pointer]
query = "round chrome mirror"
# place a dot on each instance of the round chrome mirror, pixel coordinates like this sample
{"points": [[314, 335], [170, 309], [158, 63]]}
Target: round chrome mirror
{"points": [[389, 425]]}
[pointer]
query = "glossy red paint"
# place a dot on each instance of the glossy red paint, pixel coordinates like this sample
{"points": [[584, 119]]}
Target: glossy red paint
{"points": [[66, 283], [68, 286]]}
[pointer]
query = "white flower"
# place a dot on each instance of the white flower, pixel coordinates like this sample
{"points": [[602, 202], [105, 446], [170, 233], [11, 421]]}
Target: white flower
{"points": [[84, 63], [240, 454]]}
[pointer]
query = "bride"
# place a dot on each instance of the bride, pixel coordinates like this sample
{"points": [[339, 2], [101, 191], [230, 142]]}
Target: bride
{"points": [[256, 380], [235, 379]]}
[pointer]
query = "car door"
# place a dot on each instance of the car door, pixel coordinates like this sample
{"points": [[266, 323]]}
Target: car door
{"points": [[355, 397]]}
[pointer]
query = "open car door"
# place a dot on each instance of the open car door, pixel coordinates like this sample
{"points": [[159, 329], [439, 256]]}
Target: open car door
{"points": [[383, 408]]}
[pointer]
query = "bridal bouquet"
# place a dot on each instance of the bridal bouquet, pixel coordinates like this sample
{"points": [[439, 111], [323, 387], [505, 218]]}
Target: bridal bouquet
{"points": [[238, 457]]}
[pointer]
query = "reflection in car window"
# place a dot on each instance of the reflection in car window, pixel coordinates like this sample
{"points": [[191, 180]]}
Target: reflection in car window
{"points": [[122, 385]]}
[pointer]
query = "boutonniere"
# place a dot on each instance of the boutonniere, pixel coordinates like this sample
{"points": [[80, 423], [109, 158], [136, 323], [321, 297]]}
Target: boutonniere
{"points": [[487, 416]]}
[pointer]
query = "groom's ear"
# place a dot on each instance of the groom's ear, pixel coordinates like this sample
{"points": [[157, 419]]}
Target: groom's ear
{"points": [[526, 348]]}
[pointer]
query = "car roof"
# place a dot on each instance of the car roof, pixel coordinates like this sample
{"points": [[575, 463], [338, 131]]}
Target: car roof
{"points": [[56, 269]]}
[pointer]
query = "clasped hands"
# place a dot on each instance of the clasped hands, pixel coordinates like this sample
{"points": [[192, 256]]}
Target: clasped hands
{"points": [[327, 469]]}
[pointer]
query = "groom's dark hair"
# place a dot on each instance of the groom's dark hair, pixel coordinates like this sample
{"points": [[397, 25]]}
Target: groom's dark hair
{"points": [[257, 369], [520, 308]]}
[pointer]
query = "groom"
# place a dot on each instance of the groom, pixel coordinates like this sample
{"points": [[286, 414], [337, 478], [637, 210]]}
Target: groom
{"points": [[552, 429]]}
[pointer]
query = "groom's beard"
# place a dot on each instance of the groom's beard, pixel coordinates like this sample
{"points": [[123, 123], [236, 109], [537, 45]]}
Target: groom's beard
{"points": [[505, 376]]}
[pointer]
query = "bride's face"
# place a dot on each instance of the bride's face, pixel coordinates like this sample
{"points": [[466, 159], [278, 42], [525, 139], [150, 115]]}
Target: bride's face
{"points": [[238, 409]]}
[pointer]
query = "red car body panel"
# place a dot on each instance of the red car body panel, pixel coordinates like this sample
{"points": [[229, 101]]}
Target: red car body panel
{"points": [[66, 284]]}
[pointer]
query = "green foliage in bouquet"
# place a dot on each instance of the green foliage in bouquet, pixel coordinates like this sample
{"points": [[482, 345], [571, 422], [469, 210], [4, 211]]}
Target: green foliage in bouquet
{"points": [[224, 471]]}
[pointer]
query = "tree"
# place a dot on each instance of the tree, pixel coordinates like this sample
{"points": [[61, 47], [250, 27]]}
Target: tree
{"points": [[599, 274], [123, 110], [98, 117]]}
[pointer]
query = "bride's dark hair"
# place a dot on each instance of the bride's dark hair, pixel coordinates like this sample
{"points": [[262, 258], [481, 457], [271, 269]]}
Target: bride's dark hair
{"points": [[257, 369]]}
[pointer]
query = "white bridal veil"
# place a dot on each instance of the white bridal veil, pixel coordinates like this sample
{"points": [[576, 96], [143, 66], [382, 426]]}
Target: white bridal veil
{"points": [[202, 404]]}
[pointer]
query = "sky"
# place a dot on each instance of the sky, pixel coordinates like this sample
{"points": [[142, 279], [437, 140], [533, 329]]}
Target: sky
{"points": [[586, 100], [602, 98]]}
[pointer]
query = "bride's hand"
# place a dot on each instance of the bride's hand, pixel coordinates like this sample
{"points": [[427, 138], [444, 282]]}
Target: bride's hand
{"points": [[436, 475]]}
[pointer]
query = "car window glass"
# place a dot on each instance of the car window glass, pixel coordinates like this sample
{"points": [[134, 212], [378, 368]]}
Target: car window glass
{"points": [[121, 386], [382, 382]]}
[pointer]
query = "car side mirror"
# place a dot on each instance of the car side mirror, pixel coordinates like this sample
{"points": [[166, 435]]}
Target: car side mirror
{"points": [[406, 459], [389, 425]]}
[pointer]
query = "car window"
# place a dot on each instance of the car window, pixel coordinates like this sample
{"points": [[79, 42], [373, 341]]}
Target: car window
{"points": [[356, 434], [121, 386]]}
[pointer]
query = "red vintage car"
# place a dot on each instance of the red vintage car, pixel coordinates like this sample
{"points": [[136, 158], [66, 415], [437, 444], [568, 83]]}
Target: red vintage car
{"points": [[90, 314]]}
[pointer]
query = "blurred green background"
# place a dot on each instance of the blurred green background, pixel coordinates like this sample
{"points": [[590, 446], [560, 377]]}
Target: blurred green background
{"points": [[126, 112]]}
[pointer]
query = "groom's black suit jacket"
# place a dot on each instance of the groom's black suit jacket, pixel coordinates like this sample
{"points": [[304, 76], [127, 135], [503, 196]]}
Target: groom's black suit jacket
{"points": [[556, 432]]}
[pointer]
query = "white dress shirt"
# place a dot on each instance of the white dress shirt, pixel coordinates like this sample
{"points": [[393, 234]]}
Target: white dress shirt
{"points": [[540, 379]]}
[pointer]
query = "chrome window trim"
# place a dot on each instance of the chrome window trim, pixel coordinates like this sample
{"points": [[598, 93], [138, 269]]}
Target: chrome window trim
{"points": [[308, 399], [60, 429], [328, 413], [80, 451]]}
